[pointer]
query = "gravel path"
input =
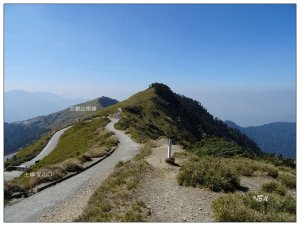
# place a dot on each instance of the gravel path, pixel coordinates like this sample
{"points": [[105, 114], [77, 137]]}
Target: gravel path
{"points": [[66, 200], [169, 202]]}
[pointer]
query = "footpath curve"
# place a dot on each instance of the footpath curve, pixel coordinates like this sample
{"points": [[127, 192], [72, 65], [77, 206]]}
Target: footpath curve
{"points": [[66, 200]]}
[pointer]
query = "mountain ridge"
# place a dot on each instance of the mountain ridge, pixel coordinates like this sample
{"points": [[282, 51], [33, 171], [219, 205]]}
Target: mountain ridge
{"points": [[22, 133], [276, 137], [21, 105], [158, 111]]}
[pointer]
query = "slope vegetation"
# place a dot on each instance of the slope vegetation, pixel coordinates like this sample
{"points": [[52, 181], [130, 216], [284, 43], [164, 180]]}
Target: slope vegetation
{"points": [[19, 135], [159, 112]]}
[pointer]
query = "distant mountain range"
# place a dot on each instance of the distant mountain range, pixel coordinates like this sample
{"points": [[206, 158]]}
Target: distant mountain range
{"points": [[276, 137], [19, 134], [158, 111], [21, 105]]}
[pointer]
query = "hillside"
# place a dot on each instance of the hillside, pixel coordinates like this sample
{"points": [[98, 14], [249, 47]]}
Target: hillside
{"points": [[210, 160], [151, 114], [276, 137], [158, 111], [23, 133], [21, 105]]}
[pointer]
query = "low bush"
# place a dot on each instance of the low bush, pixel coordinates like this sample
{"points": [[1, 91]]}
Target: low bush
{"points": [[274, 187], [72, 165], [10, 188], [272, 172], [48, 174], [217, 147], [241, 165], [210, 173], [288, 180], [97, 152], [85, 157], [247, 208]]}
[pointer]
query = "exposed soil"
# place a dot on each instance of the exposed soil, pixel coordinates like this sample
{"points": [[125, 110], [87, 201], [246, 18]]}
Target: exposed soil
{"points": [[166, 200], [169, 202]]}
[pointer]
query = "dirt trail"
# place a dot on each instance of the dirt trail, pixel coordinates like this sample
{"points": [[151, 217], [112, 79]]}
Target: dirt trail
{"points": [[167, 201]]}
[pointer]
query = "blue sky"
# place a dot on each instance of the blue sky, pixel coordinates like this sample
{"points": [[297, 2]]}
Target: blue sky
{"points": [[222, 55]]}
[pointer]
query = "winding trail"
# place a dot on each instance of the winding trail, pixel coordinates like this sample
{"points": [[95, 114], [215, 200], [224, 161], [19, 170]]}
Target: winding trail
{"points": [[9, 175], [48, 148], [65, 201]]}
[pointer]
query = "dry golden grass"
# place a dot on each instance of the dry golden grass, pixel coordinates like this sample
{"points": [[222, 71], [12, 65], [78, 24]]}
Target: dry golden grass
{"points": [[71, 165], [97, 152], [55, 172], [114, 200]]}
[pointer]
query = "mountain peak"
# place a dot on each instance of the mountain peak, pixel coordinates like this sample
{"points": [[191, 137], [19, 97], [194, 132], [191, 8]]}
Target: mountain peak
{"points": [[158, 111], [159, 86], [162, 90], [106, 101]]}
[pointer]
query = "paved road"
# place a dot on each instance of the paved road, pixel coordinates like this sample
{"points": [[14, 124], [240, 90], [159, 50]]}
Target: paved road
{"points": [[49, 147], [9, 175], [65, 201], [9, 156]]}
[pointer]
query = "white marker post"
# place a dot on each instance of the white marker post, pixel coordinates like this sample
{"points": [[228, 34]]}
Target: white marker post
{"points": [[170, 149]]}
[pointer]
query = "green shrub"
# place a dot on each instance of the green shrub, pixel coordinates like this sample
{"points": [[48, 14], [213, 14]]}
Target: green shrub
{"points": [[288, 180], [274, 187], [217, 147], [210, 173], [242, 167], [272, 172], [245, 208]]}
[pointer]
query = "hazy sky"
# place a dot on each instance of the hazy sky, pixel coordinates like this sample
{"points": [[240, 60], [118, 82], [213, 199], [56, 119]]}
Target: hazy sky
{"points": [[238, 60]]}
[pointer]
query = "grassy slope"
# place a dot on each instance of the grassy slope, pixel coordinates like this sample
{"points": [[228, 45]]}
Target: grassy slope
{"points": [[29, 152], [146, 116], [37, 128], [78, 140], [158, 111], [75, 141], [66, 116]]}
